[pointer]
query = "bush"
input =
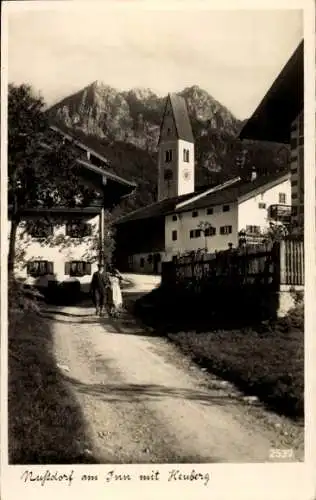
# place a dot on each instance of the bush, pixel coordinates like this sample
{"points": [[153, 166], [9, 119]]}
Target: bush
{"points": [[22, 297]]}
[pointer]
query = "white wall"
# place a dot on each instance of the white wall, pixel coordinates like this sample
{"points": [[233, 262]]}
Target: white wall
{"points": [[239, 216], [249, 212], [186, 222], [185, 185], [68, 249]]}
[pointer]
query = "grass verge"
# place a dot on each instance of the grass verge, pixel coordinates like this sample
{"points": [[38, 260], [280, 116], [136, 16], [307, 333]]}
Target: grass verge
{"points": [[46, 425], [265, 359]]}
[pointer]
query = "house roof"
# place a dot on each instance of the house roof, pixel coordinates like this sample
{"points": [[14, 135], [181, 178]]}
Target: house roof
{"points": [[237, 189], [89, 164], [283, 102], [157, 209], [181, 117], [91, 210], [105, 173]]}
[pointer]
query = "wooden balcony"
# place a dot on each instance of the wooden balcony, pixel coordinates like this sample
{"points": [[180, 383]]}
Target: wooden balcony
{"points": [[280, 213]]}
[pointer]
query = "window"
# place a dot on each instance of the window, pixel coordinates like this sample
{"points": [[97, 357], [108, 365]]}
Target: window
{"points": [[282, 198], [293, 143], [209, 211], [168, 131], [78, 229], [294, 183], [186, 155], [195, 233], [253, 229], [262, 205], [142, 262], [301, 141], [294, 196], [174, 218], [195, 213], [77, 268], [38, 268], [226, 208], [294, 211], [40, 229], [174, 235], [210, 231], [168, 174], [168, 156], [225, 229]]}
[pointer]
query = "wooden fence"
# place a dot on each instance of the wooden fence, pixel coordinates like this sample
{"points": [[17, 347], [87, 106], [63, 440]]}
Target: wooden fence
{"points": [[271, 265]]}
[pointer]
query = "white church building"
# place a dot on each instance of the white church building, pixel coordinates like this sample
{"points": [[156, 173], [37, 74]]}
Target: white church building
{"points": [[186, 219]]}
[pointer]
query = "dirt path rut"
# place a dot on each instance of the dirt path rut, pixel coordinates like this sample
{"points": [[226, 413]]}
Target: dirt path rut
{"points": [[144, 402]]}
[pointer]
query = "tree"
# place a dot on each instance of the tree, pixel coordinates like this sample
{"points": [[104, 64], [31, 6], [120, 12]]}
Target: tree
{"points": [[42, 170], [205, 228]]}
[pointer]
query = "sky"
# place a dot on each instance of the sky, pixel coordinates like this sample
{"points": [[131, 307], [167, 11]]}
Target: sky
{"points": [[233, 54]]}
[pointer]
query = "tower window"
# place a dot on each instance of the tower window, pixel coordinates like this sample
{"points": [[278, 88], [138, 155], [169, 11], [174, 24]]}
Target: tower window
{"points": [[168, 155], [174, 235], [186, 155], [168, 175]]}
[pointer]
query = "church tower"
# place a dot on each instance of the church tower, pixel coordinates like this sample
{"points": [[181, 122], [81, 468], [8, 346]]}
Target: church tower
{"points": [[175, 150]]}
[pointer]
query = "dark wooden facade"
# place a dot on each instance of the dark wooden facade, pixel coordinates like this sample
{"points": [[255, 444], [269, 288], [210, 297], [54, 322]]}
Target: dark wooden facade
{"points": [[137, 237]]}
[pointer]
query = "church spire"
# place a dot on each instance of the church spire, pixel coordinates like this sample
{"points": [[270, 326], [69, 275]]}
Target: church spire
{"points": [[175, 150]]}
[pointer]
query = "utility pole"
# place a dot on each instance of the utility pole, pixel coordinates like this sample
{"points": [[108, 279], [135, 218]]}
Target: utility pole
{"points": [[102, 223], [101, 256]]}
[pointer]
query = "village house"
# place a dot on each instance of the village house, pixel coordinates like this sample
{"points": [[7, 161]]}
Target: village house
{"points": [[280, 118], [184, 219], [63, 244]]}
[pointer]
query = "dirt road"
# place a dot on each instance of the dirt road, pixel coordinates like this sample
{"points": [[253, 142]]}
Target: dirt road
{"points": [[144, 402]]}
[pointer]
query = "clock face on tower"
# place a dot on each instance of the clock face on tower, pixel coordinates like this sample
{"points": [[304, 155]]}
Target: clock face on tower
{"points": [[186, 174]]}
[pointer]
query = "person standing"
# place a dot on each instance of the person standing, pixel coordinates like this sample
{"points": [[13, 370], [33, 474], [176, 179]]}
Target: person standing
{"points": [[98, 289], [114, 299]]}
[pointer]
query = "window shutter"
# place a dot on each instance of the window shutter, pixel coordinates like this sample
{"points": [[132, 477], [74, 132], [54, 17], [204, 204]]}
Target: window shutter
{"points": [[50, 267], [88, 268], [67, 268]]}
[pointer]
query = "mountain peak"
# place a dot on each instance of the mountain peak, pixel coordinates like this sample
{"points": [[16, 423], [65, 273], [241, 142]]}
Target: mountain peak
{"points": [[100, 86], [196, 91]]}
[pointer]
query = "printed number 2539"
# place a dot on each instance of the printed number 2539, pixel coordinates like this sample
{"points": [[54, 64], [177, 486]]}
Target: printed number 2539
{"points": [[281, 453]]}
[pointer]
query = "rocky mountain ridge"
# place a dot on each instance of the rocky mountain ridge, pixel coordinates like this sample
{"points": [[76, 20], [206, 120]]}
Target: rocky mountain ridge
{"points": [[126, 124]]}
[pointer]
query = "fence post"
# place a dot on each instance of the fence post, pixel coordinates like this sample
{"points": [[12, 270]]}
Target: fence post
{"points": [[282, 262]]}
